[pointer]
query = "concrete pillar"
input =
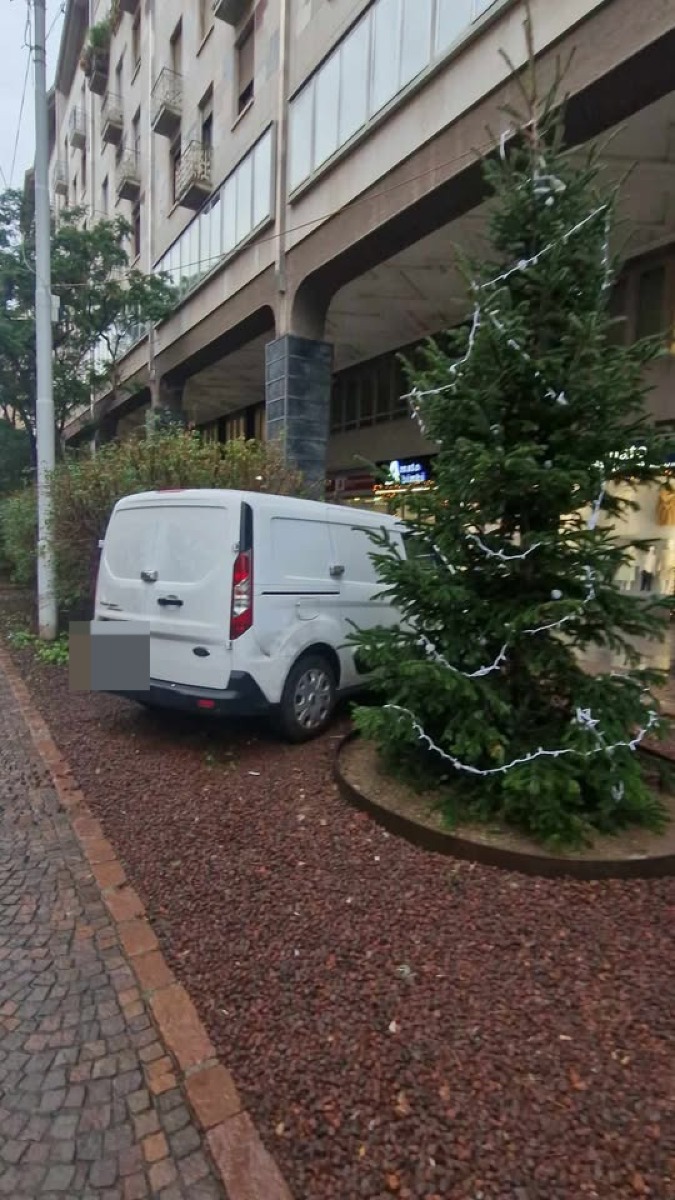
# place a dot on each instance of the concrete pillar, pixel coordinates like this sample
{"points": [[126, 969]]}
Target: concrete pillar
{"points": [[106, 430], [298, 374]]}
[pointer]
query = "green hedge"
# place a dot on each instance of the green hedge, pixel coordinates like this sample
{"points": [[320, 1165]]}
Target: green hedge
{"points": [[86, 487], [18, 537]]}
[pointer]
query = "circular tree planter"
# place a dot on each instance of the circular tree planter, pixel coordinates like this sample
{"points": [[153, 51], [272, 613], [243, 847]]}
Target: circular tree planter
{"points": [[637, 854]]}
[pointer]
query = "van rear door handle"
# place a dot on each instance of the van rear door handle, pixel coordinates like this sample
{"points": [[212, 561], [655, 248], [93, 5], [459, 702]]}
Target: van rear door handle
{"points": [[170, 601]]}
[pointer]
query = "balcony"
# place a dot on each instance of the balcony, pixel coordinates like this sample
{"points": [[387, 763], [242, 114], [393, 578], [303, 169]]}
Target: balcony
{"points": [[167, 103], [112, 119], [230, 11], [77, 129], [193, 178], [60, 179], [128, 176]]}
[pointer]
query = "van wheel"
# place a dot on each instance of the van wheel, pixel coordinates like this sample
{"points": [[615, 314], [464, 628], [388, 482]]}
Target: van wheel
{"points": [[308, 699]]}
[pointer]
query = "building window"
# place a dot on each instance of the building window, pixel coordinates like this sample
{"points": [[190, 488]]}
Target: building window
{"points": [[369, 393], [617, 312], [245, 67], [136, 229], [245, 423], [83, 167], [177, 49], [205, 10], [206, 119], [119, 79], [136, 134], [105, 200], [651, 296], [175, 155], [136, 40], [75, 191]]}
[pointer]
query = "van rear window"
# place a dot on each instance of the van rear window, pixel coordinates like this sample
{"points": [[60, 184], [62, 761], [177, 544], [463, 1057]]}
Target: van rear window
{"points": [[191, 542], [128, 543]]}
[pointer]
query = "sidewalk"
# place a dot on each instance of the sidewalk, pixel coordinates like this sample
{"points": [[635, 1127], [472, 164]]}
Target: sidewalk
{"points": [[79, 1116]]}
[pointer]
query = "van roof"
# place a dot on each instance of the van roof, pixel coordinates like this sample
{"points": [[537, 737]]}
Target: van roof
{"points": [[222, 497]]}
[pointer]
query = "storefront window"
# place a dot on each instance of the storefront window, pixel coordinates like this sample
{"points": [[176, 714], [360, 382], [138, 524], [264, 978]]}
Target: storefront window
{"points": [[383, 390], [351, 402], [651, 302], [366, 400], [618, 305]]}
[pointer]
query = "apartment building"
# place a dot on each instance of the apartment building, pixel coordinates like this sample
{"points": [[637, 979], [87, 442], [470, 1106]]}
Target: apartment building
{"points": [[304, 169]]}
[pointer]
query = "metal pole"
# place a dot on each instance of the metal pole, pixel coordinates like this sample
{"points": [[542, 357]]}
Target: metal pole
{"points": [[44, 424]]}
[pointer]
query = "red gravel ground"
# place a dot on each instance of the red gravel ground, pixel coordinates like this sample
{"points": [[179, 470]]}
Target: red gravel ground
{"points": [[398, 1024]]}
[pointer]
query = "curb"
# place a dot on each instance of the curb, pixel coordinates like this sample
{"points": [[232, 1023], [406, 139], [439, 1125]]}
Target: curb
{"points": [[246, 1169], [538, 865]]}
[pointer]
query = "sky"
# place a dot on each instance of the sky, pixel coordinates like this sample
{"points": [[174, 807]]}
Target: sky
{"points": [[14, 57]]}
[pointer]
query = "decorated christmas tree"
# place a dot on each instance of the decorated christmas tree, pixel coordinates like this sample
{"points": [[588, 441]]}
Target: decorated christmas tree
{"points": [[510, 578]]}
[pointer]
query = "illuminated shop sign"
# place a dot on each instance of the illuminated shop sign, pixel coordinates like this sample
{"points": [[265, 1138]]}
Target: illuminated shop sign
{"points": [[636, 456], [407, 472]]}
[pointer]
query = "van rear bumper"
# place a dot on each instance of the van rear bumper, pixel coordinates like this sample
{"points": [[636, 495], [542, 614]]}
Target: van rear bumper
{"points": [[241, 698]]}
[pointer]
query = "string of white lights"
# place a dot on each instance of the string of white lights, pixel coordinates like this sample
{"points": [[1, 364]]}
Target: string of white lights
{"points": [[473, 537], [432, 651], [547, 186], [531, 756], [416, 395]]}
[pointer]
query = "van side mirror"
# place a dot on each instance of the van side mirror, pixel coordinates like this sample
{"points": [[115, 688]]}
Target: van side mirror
{"points": [[100, 543]]}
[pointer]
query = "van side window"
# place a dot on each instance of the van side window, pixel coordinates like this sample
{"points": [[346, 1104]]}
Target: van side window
{"points": [[417, 548]]}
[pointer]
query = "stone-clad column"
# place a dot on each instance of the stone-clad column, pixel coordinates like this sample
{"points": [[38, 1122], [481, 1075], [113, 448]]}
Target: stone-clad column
{"points": [[298, 373]]}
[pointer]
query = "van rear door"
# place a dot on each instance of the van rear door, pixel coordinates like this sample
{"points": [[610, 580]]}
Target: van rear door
{"points": [[189, 608]]}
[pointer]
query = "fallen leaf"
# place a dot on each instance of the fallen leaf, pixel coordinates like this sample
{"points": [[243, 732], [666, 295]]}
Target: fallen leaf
{"points": [[393, 1182], [402, 1106], [444, 1092], [362, 1152], [639, 1184], [393, 1027], [279, 1129]]}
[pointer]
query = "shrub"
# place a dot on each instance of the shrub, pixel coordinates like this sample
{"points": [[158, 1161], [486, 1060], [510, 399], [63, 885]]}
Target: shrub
{"points": [[18, 537], [86, 488]]}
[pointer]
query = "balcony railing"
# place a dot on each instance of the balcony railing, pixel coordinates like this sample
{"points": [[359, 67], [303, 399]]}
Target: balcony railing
{"points": [[77, 128], [230, 11], [128, 176], [167, 102], [193, 178], [112, 119], [60, 179]]}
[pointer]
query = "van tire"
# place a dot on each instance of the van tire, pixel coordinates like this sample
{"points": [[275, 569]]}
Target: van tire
{"points": [[308, 699]]}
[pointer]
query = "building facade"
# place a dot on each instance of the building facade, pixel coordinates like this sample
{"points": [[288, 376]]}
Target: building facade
{"points": [[304, 170]]}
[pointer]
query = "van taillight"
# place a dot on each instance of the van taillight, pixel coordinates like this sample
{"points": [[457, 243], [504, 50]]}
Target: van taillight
{"points": [[241, 616]]}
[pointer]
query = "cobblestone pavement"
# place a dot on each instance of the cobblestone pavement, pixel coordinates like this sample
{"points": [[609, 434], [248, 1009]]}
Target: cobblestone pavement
{"points": [[78, 1116]]}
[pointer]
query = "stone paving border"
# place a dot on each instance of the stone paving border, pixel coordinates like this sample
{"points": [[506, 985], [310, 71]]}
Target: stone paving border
{"points": [[247, 1170]]}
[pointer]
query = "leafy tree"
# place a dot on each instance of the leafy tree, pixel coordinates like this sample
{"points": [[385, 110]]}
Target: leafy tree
{"points": [[103, 304], [537, 412], [15, 460]]}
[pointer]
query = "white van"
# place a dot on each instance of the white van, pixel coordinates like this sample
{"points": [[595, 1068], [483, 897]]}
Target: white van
{"points": [[249, 599]]}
